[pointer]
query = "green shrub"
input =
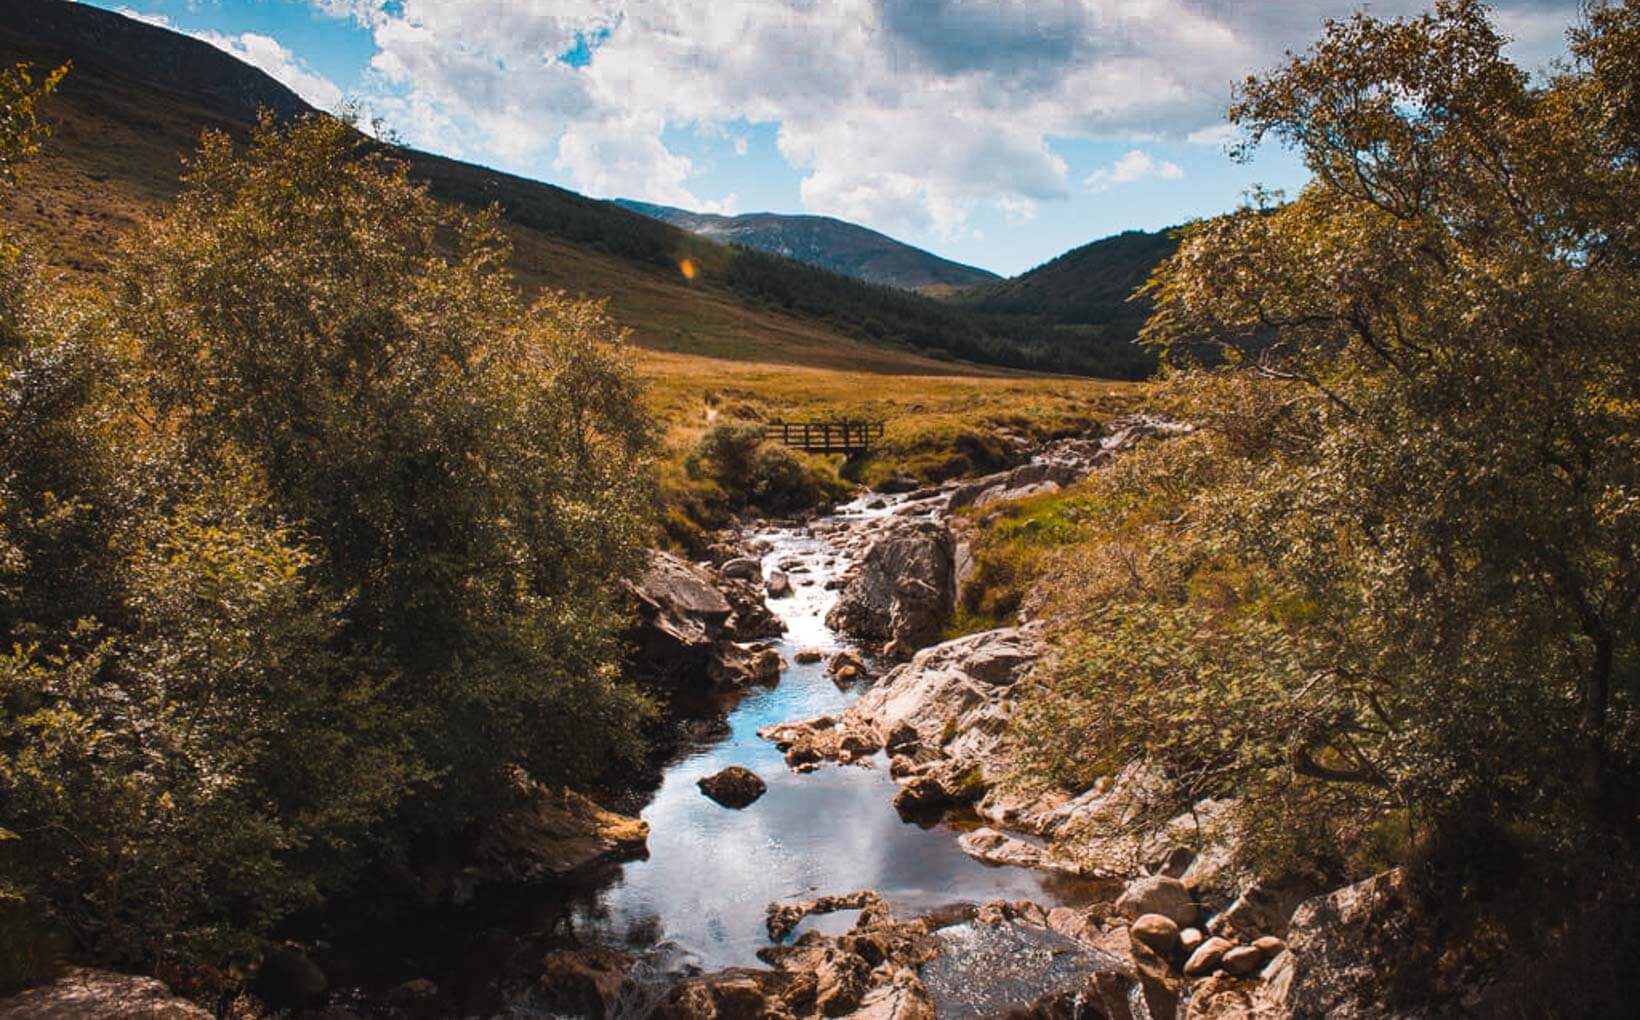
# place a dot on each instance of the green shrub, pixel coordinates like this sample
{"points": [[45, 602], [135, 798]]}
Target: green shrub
{"points": [[753, 473], [304, 537]]}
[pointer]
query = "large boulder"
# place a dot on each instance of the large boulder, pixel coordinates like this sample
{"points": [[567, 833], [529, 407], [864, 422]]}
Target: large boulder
{"points": [[733, 787], [546, 833], [681, 612], [1342, 950], [1158, 894], [902, 590], [85, 994], [942, 716]]}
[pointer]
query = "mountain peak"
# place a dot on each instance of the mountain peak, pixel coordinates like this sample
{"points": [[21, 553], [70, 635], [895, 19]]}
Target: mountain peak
{"points": [[826, 242]]}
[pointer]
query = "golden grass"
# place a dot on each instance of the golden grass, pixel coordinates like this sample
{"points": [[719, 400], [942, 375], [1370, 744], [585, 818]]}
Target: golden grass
{"points": [[926, 414], [117, 153]]}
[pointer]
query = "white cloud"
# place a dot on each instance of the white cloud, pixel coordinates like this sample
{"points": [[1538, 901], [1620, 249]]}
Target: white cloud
{"points": [[1134, 165], [903, 114], [263, 52]]}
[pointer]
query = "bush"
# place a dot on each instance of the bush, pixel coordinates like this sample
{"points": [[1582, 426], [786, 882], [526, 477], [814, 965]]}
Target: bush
{"points": [[1392, 576], [753, 473], [304, 537]]}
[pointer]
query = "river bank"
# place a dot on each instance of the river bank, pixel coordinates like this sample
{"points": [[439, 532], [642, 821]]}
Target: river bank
{"points": [[882, 864]]}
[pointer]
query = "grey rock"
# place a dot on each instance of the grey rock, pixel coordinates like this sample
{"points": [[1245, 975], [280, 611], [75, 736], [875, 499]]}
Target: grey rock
{"points": [[680, 614], [903, 588]]}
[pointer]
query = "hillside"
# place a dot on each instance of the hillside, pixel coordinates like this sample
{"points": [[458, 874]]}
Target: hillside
{"points": [[133, 106], [1087, 289], [828, 243]]}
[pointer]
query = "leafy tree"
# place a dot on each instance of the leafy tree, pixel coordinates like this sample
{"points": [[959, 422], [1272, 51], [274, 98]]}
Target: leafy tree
{"points": [[1393, 581], [472, 468], [305, 535]]}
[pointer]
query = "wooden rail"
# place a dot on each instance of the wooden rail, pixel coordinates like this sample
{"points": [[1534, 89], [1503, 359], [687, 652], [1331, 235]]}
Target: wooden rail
{"points": [[845, 437]]}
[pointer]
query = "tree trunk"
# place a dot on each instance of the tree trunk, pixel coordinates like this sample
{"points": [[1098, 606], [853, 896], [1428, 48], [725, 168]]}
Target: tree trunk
{"points": [[1596, 694]]}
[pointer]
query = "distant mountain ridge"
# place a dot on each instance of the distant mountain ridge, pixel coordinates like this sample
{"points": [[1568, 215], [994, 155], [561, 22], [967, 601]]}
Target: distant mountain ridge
{"points": [[828, 243]]}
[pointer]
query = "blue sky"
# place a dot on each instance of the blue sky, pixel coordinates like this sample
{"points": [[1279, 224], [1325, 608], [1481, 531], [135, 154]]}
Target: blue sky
{"points": [[995, 132]]}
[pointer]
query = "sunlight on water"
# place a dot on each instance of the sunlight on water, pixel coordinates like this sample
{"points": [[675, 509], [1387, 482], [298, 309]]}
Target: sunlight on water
{"points": [[712, 871]]}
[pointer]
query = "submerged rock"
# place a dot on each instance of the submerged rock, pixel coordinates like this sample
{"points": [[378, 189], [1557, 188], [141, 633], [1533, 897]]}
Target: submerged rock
{"points": [[733, 787], [86, 994]]}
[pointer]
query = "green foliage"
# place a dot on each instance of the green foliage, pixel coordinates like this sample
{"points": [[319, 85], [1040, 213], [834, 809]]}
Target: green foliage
{"points": [[21, 130], [303, 539], [749, 472], [1394, 575]]}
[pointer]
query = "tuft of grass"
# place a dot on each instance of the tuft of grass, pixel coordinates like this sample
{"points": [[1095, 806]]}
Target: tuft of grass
{"points": [[1014, 545]]}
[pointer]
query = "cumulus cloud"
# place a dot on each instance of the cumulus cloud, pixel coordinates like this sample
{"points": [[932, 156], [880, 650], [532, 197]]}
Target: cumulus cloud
{"points": [[898, 113], [265, 53], [1135, 165]]}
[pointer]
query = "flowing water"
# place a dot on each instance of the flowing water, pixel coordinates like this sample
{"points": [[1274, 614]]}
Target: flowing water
{"points": [[698, 900], [712, 871]]}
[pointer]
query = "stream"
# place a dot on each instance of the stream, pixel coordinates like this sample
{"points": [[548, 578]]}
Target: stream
{"points": [[697, 902]]}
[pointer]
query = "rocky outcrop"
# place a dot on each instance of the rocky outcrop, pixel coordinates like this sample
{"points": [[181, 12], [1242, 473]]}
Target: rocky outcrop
{"points": [[85, 994], [940, 717], [1059, 464], [548, 833], [699, 623], [680, 615], [1340, 949], [733, 787], [901, 589]]}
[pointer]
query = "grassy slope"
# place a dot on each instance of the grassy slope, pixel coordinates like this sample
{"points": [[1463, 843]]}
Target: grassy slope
{"points": [[119, 148]]}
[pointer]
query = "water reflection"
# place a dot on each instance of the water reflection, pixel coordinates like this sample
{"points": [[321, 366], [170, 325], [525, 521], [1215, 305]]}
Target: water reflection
{"points": [[711, 871]]}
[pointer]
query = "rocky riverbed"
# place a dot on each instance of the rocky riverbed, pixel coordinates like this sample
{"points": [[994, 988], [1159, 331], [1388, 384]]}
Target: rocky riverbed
{"points": [[835, 834]]}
